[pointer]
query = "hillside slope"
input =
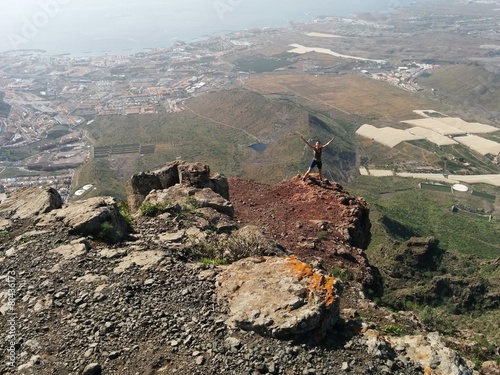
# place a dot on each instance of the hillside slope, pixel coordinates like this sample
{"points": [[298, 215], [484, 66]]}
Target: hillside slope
{"points": [[220, 129]]}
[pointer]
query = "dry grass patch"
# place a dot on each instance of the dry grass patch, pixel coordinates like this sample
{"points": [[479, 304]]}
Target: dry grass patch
{"points": [[354, 94]]}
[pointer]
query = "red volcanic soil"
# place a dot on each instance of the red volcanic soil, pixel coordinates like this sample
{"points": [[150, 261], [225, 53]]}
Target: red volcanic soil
{"points": [[307, 218]]}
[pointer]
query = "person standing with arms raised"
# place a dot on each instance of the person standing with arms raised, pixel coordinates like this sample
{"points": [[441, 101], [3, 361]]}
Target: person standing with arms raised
{"points": [[316, 162]]}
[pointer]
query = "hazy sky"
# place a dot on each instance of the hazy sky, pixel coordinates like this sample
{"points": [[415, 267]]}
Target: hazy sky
{"points": [[71, 23]]}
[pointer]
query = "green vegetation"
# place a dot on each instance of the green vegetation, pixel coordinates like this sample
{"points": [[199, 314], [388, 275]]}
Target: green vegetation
{"points": [[435, 187], [226, 250], [424, 144], [461, 83], [341, 273], [108, 232], [25, 238], [103, 151], [322, 235], [192, 204], [483, 350], [482, 347], [183, 135], [409, 211], [394, 330], [217, 129], [153, 209], [57, 131], [468, 245], [16, 153], [125, 212], [486, 196], [15, 172], [434, 318], [213, 262]]}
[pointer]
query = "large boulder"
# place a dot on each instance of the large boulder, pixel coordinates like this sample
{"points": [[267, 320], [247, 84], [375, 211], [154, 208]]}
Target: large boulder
{"points": [[199, 198], [139, 186], [279, 297], [30, 203], [98, 216], [177, 172], [429, 350]]}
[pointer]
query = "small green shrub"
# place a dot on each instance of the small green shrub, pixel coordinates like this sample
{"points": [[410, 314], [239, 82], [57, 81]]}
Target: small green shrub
{"points": [[341, 273], [435, 318], [410, 305], [25, 238], [152, 209], [190, 207], [192, 202], [227, 248], [108, 232], [479, 350], [213, 261], [124, 211], [322, 235], [206, 248], [394, 330]]}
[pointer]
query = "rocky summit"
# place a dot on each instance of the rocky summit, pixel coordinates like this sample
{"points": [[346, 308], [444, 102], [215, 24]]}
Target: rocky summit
{"points": [[201, 274]]}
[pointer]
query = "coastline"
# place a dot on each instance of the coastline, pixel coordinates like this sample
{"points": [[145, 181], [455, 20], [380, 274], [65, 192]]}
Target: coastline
{"points": [[139, 34]]}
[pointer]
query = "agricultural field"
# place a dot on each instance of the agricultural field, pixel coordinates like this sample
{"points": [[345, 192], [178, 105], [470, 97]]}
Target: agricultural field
{"points": [[348, 94]]}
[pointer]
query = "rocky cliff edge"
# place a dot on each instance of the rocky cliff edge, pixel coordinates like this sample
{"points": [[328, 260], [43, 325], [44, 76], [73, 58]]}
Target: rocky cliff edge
{"points": [[187, 281]]}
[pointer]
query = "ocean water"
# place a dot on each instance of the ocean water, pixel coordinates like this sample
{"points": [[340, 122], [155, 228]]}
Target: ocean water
{"points": [[79, 27]]}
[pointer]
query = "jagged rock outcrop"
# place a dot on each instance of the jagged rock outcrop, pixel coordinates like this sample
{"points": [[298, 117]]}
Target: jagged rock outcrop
{"points": [[312, 220], [279, 297], [30, 203], [195, 175], [356, 229]]}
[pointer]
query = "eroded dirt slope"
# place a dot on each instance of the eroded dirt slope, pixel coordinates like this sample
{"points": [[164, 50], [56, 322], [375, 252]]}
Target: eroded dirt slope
{"points": [[318, 222]]}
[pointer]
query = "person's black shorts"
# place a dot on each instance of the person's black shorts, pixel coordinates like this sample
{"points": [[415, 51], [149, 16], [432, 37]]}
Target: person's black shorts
{"points": [[316, 163]]}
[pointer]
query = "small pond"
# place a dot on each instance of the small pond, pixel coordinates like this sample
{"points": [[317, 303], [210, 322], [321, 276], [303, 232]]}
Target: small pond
{"points": [[258, 147]]}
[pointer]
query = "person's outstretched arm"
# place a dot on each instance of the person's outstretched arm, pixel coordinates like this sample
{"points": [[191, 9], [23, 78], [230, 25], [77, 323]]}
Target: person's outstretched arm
{"points": [[310, 145], [330, 141]]}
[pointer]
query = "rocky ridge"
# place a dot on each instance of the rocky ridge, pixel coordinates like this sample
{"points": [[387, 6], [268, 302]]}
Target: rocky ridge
{"points": [[89, 292]]}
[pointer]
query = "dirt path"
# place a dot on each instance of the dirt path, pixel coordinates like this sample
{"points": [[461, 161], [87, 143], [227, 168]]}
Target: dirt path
{"points": [[221, 123]]}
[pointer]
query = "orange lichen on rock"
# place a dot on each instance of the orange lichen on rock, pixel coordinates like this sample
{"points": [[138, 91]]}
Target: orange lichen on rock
{"points": [[318, 284]]}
